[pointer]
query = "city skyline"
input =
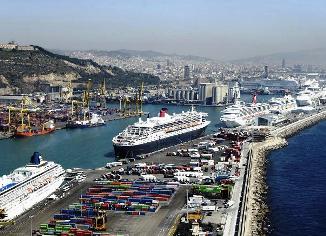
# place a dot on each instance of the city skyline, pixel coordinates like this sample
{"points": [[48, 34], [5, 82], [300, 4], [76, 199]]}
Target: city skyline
{"points": [[222, 30]]}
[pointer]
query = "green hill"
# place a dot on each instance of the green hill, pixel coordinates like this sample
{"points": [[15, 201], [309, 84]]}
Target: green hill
{"points": [[24, 70]]}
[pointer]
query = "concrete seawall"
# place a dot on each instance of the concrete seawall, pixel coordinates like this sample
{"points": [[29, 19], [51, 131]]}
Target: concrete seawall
{"points": [[254, 209]]}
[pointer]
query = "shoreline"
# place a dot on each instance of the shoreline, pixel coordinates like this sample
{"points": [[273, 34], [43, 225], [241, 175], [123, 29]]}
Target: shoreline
{"points": [[255, 206]]}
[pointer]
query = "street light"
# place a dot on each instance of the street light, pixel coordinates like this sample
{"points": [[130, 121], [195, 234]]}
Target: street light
{"points": [[31, 217]]}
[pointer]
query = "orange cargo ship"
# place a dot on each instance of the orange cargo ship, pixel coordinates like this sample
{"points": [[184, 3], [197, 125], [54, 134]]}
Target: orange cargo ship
{"points": [[26, 131]]}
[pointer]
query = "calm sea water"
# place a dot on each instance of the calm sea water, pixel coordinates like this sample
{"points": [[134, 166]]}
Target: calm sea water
{"points": [[296, 176], [85, 148]]}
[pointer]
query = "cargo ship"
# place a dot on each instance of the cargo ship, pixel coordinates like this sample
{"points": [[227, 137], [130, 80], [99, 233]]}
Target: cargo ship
{"points": [[27, 131], [159, 132], [94, 121], [29, 185]]}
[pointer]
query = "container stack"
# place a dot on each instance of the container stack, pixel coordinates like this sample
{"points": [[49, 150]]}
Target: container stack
{"points": [[89, 215], [134, 198]]}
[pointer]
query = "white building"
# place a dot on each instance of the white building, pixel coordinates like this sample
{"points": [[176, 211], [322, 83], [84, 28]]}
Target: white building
{"points": [[219, 94], [205, 92], [8, 46]]}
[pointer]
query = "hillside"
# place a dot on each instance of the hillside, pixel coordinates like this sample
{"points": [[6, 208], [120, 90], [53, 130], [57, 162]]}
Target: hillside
{"points": [[126, 53], [24, 70], [305, 57]]}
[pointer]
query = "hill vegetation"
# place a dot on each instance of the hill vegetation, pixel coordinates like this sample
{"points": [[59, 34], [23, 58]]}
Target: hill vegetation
{"points": [[23, 70]]}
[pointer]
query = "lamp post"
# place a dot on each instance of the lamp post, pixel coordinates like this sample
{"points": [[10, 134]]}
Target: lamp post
{"points": [[31, 217]]}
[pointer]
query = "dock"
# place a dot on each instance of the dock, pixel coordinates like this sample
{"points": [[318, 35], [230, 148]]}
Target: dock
{"points": [[253, 210]]}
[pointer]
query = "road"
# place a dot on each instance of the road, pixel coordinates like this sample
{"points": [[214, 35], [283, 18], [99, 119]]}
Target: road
{"points": [[232, 212]]}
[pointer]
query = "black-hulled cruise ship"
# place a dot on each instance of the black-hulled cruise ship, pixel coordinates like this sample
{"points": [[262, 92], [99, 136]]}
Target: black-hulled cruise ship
{"points": [[159, 132]]}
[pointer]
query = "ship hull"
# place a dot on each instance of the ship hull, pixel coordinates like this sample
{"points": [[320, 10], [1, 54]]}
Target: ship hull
{"points": [[20, 206], [30, 134], [81, 126], [133, 151], [304, 102]]}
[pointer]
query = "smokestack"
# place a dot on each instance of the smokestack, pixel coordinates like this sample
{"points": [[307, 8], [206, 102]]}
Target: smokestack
{"points": [[254, 99]]}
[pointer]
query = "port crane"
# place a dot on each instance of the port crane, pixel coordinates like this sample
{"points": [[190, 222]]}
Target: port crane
{"points": [[67, 92], [85, 100], [102, 94], [25, 101]]}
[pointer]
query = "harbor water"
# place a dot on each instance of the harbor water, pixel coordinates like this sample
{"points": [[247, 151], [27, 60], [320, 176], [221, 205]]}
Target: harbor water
{"points": [[87, 148], [296, 179]]}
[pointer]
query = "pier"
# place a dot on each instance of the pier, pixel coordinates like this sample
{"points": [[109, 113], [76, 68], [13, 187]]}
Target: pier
{"points": [[252, 211]]}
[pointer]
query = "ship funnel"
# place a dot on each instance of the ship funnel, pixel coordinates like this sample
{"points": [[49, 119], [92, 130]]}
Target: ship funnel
{"points": [[254, 99], [163, 111], [36, 158]]}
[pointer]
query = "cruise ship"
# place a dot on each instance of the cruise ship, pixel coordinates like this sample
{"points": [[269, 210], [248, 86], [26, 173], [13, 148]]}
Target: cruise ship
{"points": [[310, 94], [159, 132], [278, 84], [29, 185], [305, 98], [282, 105], [242, 114]]}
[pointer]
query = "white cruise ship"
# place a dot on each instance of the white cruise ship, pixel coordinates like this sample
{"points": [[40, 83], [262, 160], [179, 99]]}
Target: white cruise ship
{"points": [[29, 185], [310, 95], [159, 132], [242, 114], [305, 98], [282, 105]]}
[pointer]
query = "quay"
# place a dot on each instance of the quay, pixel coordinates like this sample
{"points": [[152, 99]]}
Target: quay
{"points": [[252, 211]]}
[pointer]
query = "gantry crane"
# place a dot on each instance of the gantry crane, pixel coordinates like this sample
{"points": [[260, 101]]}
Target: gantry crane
{"points": [[102, 94], [23, 108], [68, 92], [85, 100]]}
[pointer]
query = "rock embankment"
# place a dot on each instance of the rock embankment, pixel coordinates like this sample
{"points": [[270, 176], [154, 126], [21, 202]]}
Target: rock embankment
{"points": [[256, 207], [295, 127], [256, 203]]}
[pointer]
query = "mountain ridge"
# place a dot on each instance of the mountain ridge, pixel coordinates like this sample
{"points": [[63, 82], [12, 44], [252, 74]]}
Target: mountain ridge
{"points": [[127, 53], [316, 56]]}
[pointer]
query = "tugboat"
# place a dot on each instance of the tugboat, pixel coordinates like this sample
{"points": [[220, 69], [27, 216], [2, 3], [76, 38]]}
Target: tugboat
{"points": [[27, 131], [94, 121]]}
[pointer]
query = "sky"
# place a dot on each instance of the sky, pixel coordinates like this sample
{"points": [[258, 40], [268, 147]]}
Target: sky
{"points": [[218, 29]]}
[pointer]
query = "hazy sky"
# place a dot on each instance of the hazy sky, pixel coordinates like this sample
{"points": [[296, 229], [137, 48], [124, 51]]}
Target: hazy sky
{"points": [[220, 29]]}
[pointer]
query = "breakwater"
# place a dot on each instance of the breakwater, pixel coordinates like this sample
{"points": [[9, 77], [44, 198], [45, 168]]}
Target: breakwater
{"points": [[255, 208]]}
